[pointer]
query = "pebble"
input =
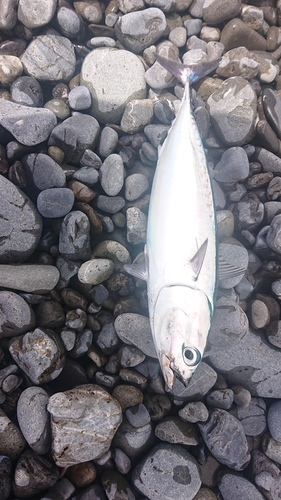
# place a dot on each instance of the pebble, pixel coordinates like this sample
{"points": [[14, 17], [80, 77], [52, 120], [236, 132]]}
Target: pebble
{"points": [[29, 277], [34, 14], [176, 475], [33, 419], [5, 476], [136, 225], [178, 36], [135, 186], [128, 396], [138, 30], [55, 202], [238, 62], [42, 172], [221, 398], [86, 175], [28, 91], [233, 165], [240, 364], [112, 174], [55, 48], [93, 416], [95, 271], [12, 441], [273, 234], [69, 22], [137, 415], [33, 474], [134, 329], [253, 417], [232, 487], [273, 420], [224, 105], [137, 114], [116, 74], [17, 317], [203, 379], [238, 34], [248, 212], [134, 441], [223, 434], [28, 125], [194, 412], [271, 448], [21, 225], [268, 66], [272, 108], [39, 354], [176, 431], [10, 69], [8, 16], [79, 98], [59, 108], [74, 242], [115, 485], [108, 142]]}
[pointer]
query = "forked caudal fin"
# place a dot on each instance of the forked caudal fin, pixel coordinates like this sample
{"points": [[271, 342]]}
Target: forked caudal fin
{"points": [[187, 73]]}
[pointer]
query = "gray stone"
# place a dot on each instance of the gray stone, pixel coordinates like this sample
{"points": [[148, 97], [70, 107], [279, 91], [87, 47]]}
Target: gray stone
{"points": [[138, 30], [16, 316], [110, 204], [233, 110], [137, 114], [114, 251], [12, 441], [43, 172], [29, 277], [79, 98], [194, 412], [156, 133], [136, 225], [104, 41], [74, 238], [272, 108], [134, 329], [221, 398], [273, 238], [269, 161], [122, 461], [217, 11], [253, 417], [224, 436], [112, 174], [84, 421], [113, 77], [95, 271], [273, 420], [5, 476], [20, 225], [10, 69], [178, 36], [233, 487], [87, 175], [33, 474], [248, 212], [70, 22], [269, 68], [135, 186], [108, 141], [137, 415], [39, 354], [49, 58], [177, 474], [115, 484], [193, 26], [176, 431], [33, 419], [55, 202], [8, 14], [26, 90], [233, 165], [59, 108], [253, 363], [28, 125], [35, 14], [203, 379]]}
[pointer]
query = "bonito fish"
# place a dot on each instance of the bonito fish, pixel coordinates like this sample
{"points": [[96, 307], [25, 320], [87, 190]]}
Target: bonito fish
{"points": [[180, 251]]}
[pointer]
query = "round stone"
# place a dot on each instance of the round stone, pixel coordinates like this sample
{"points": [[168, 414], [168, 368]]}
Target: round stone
{"points": [[16, 316], [26, 90], [95, 271], [35, 14], [33, 419], [55, 202], [273, 420], [10, 69]]}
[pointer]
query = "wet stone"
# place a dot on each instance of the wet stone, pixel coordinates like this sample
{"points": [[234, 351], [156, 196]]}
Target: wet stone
{"points": [[27, 90], [194, 412], [269, 161], [138, 30], [29, 277], [271, 448], [112, 175], [55, 202], [12, 441], [224, 436], [94, 416], [130, 356], [113, 77], [39, 354], [134, 329], [177, 474], [242, 397], [74, 242], [55, 48], [122, 461], [274, 188], [67, 268], [33, 474], [115, 485], [137, 415], [222, 398], [232, 487], [233, 126], [273, 420], [175, 431], [253, 417], [16, 316], [33, 419], [108, 141]]}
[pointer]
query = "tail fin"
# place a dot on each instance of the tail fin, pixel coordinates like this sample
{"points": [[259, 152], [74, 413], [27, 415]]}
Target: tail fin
{"points": [[187, 73]]}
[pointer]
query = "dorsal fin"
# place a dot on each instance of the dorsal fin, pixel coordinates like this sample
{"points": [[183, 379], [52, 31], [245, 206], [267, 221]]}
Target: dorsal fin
{"points": [[198, 259]]}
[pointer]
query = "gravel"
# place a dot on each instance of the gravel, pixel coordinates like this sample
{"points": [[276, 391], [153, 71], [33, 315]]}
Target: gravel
{"points": [[84, 107]]}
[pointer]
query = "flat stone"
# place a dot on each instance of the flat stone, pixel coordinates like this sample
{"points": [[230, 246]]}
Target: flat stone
{"points": [[35, 14], [16, 316], [20, 223], [113, 77], [28, 125], [137, 114], [232, 487], [217, 11], [203, 379], [49, 58], [33, 419], [177, 474], [55, 202], [273, 420], [175, 431], [134, 329], [84, 421], [253, 417], [29, 277]]}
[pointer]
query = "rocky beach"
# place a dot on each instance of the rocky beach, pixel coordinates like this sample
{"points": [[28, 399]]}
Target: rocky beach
{"points": [[84, 108]]}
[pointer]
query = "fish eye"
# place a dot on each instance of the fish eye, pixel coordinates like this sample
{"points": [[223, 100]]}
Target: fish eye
{"points": [[191, 356]]}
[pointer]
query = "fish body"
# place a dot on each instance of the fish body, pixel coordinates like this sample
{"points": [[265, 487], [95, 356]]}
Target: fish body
{"points": [[180, 251]]}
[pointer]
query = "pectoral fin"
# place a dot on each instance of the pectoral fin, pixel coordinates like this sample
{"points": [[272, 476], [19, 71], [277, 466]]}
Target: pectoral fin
{"points": [[226, 270], [136, 270], [198, 259]]}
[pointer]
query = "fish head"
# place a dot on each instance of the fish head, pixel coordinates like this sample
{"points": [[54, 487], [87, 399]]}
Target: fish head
{"points": [[181, 325]]}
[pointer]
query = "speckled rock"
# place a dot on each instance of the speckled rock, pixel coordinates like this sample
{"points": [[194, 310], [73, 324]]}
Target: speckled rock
{"points": [[33, 419], [232, 487], [35, 14], [16, 316], [114, 77], [134, 329], [29, 277]]}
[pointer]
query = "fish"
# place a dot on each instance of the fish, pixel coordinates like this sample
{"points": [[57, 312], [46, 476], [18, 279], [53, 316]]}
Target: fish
{"points": [[181, 245]]}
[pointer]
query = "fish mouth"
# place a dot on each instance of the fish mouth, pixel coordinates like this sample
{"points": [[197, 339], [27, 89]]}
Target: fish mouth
{"points": [[171, 372]]}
